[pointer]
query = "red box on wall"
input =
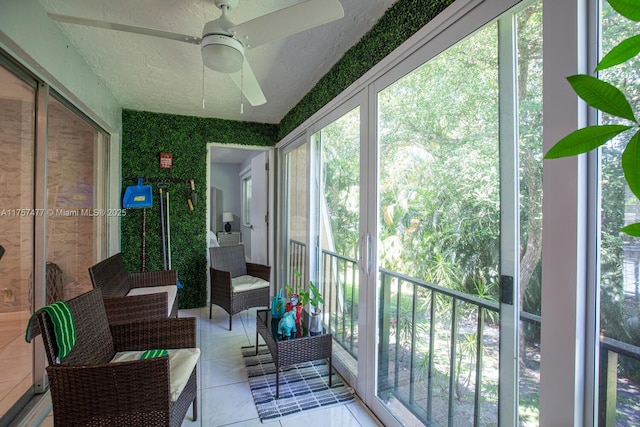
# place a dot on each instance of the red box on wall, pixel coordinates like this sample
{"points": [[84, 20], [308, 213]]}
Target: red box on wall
{"points": [[166, 160]]}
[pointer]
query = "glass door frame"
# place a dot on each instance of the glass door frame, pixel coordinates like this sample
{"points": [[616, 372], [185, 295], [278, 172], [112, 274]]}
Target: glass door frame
{"points": [[104, 144], [564, 336], [358, 100], [441, 33], [307, 136], [282, 256], [463, 23], [38, 122], [508, 389]]}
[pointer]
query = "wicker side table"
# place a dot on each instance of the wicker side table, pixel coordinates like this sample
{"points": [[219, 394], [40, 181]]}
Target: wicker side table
{"points": [[294, 350]]}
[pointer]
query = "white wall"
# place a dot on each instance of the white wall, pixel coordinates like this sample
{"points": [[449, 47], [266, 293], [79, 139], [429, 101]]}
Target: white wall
{"points": [[225, 177], [36, 41], [246, 170]]}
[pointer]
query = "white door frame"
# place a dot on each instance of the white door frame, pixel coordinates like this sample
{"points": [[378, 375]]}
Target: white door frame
{"points": [[270, 151]]}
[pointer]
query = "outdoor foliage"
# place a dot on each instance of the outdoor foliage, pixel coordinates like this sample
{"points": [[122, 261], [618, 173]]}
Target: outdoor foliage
{"points": [[609, 99], [439, 172], [618, 259], [615, 93], [341, 181]]}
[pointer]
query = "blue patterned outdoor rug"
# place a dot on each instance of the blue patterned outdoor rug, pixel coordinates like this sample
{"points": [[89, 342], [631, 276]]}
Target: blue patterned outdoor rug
{"points": [[302, 387]]}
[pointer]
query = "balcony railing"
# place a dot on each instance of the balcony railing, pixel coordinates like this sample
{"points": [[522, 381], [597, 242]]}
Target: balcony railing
{"points": [[438, 348], [297, 262], [340, 287], [610, 407], [431, 350]]}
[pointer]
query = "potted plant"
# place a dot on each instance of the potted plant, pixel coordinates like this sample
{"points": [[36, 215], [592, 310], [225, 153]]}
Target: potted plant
{"points": [[300, 297], [315, 322]]}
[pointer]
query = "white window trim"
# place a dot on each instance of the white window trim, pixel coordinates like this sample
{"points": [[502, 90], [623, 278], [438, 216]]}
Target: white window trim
{"points": [[568, 269], [246, 222]]}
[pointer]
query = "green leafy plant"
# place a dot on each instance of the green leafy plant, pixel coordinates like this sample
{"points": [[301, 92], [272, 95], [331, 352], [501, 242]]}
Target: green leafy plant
{"points": [[311, 296], [609, 99]]}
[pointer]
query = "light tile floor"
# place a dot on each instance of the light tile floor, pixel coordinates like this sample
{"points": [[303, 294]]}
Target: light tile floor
{"points": [[15, 359], [224, 397]]}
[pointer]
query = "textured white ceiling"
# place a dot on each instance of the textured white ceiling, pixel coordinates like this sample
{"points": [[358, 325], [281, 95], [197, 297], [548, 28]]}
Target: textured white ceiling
{"points": [[158, 75]]}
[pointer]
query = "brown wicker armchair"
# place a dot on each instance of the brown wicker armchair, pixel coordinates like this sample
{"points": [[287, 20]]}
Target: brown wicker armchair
{"points": [[129, 297], [237, 285], [90, 386]]}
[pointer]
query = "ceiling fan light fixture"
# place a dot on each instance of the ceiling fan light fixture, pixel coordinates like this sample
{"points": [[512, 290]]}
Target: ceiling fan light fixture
{"points": [[222, 53], [223, 43]]}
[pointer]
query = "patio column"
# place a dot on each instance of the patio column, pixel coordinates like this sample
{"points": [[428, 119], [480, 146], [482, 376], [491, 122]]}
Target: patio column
{"points": [[564, 255]]}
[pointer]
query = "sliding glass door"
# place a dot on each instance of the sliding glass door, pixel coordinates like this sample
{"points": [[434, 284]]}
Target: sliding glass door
{"points": [[337, 202], [528, 43], [460, 228], [322, 201], [423, 228], [459, 190], [53, 219], [17, 159], [619, 289], [439, 238], [296, 243], [75, 164]]}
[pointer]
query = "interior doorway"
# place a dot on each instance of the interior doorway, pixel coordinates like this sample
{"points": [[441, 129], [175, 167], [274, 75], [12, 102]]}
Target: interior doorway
{"points": [[239, 199]]}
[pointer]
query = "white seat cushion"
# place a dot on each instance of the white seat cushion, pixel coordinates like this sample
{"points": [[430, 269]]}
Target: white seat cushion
{"points": [[171, 290], [248, 283], [182, 361]]}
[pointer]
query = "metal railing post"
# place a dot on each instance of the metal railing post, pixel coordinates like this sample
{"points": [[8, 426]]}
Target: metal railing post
{"points": [[413, 346], [452, 360], [384, 327], [479, 351], [432, 335], [608, 387]]}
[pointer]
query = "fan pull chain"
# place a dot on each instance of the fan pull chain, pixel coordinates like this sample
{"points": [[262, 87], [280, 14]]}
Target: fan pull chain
{"points": [[203, 86], [241, 86]]}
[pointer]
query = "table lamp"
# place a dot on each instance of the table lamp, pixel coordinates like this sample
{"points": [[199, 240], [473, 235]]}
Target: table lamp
{"points": [[227, 217]]}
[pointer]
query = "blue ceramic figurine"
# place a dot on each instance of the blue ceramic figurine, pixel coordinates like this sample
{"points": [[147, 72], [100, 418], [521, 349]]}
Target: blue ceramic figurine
{"points": [[287, 324]]}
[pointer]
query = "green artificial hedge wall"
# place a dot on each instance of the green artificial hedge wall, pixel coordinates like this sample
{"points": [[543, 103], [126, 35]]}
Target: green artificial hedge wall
{"points": [[144, 136], [399, 22]]}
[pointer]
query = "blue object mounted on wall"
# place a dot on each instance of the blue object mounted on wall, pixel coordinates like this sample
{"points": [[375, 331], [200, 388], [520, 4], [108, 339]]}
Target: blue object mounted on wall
{"points": [[137, 196]]}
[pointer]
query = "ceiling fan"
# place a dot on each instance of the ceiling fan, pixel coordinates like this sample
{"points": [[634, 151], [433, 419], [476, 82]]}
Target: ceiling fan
{"points": [[223, 43]]}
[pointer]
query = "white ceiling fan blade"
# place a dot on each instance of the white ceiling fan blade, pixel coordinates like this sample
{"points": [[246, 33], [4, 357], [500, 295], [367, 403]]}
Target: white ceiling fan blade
{"points": [[287, 21], [127, 28], [249, 85]]}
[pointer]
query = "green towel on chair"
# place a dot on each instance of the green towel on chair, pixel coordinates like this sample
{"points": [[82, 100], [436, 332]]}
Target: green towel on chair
{"points": [[63, 326], [150, 354]]}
